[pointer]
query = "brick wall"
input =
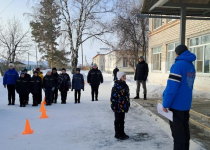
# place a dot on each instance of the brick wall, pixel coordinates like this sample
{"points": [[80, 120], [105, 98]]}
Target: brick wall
{"points": [[170, 33]]}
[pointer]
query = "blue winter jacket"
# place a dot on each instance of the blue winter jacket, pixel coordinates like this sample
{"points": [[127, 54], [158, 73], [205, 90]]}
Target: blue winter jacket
{"points": [[10, 77], [77, 81], [179, 89]]}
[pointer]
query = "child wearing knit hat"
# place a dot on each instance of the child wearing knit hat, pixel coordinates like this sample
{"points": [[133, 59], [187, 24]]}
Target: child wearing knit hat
{"points": [[120, 103]]}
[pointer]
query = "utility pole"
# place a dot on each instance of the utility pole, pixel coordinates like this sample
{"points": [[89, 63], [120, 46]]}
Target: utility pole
{"points": [[82, 54]]}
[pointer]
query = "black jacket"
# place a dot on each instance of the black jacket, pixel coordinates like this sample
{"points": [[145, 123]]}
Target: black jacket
{"points": [[36, 85], [48, 82], [22, 85], [115, 71], [28, 76], [120, 97], [95, 77], [141, 71], [64, 82], [55, 75]]}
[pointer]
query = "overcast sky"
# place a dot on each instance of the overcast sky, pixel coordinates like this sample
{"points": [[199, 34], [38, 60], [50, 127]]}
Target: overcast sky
{"points": [[16, 8]]}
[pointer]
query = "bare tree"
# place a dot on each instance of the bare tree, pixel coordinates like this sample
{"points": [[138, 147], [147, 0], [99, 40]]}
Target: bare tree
{"points": [[13, 40], [83, 20], [132, 32]]}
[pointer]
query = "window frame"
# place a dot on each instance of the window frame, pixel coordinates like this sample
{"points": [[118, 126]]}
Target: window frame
{"points": [[160, 57], [158, 26], [203, 45], [126, 62], [175, 44]]}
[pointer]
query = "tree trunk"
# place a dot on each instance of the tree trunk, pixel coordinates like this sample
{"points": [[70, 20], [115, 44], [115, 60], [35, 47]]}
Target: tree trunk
{"points": [[73, 64], [74, 60]]}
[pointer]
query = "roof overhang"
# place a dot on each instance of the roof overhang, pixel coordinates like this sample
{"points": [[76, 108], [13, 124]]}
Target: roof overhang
{"points": [[194, 8]]}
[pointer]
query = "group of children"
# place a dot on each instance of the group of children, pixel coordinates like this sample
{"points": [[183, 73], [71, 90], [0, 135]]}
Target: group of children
{"points": [[50, 84]]}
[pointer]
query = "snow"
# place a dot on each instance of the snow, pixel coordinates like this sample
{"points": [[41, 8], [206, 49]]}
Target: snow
{"points": [[30, 63], [85, 126]]}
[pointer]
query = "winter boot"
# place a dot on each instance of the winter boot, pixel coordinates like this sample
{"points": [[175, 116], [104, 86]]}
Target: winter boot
{"points": [[118, 134], [21, 105], [55, 101], [9, 102], [122, 131], [145, 96], [13, 102], [96, 98], [137, 96], [75, 101]]}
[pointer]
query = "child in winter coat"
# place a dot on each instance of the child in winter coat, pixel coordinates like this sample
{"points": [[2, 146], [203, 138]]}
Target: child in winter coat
{"points": [[23, 88], [64, 84], [120, 103], [48, 87], [36, 85], [77, 85]]}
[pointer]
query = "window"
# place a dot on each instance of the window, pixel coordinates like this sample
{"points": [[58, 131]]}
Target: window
{"points": [[200, 46], [169, 20], [157, 22], [171, 55], [157, 58], [125, 62]]}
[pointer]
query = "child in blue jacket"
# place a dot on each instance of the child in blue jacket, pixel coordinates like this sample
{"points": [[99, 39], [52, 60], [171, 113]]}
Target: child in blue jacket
{"points": [[77, 85]]}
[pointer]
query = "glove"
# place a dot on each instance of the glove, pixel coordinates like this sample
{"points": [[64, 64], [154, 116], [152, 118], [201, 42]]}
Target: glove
{"points": [[53, 89], [5, 86], [71, 89], [44, 89]]}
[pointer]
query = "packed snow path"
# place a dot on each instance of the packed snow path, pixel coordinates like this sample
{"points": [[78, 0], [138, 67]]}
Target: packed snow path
{"points": [[85, 126]]}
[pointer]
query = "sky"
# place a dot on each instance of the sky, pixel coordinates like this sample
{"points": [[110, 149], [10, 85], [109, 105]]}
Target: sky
{"points": [[16, 8]]}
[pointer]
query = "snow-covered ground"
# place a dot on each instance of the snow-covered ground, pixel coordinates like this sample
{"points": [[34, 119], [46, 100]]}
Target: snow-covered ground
{"points": [[85, 126]]}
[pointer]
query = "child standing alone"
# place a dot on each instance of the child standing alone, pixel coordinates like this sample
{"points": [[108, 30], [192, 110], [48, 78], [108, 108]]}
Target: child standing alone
{"points": [[120, 103], [77, 85]]}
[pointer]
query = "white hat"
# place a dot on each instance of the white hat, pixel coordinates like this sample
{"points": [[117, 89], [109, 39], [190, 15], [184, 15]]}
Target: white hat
{"points": [[11, 64], [120, 74], [49, 70]]}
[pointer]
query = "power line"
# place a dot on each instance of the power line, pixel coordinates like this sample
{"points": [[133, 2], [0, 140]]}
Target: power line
{"points": [[6, 7]]}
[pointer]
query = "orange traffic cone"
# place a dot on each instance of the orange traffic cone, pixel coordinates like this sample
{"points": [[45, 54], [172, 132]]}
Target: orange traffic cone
{"points": [[28, 128], [44, 115], [42, 108], [84, 82], [44, 101]]}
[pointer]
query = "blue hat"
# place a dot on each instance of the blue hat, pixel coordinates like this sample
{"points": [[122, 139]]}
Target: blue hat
{"points": [[22, 73]]}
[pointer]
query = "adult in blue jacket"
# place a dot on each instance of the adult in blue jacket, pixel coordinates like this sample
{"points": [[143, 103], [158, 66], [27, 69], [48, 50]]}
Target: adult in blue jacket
{"points": [[9, 80], [178, 94], [77, 85]]}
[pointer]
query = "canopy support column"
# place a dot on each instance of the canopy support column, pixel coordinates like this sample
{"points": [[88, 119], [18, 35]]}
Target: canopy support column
{"points": [[182, 25]]}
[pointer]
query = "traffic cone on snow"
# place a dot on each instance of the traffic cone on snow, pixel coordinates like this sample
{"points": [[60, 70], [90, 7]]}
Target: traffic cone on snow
{"points": [[44, 101], [84, 82], [28, 128], [42, 107], [44, 115]]}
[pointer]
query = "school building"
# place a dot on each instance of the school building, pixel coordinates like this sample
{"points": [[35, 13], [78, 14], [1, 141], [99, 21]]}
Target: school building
{"points": [[164, 36]]}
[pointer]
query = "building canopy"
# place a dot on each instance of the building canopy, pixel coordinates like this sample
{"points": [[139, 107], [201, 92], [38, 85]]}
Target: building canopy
{"points": [[198, 8], [186, 9]]}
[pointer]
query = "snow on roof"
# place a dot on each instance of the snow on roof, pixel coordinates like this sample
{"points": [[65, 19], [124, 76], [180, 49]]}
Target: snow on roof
{"points": [[30, 62]]}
